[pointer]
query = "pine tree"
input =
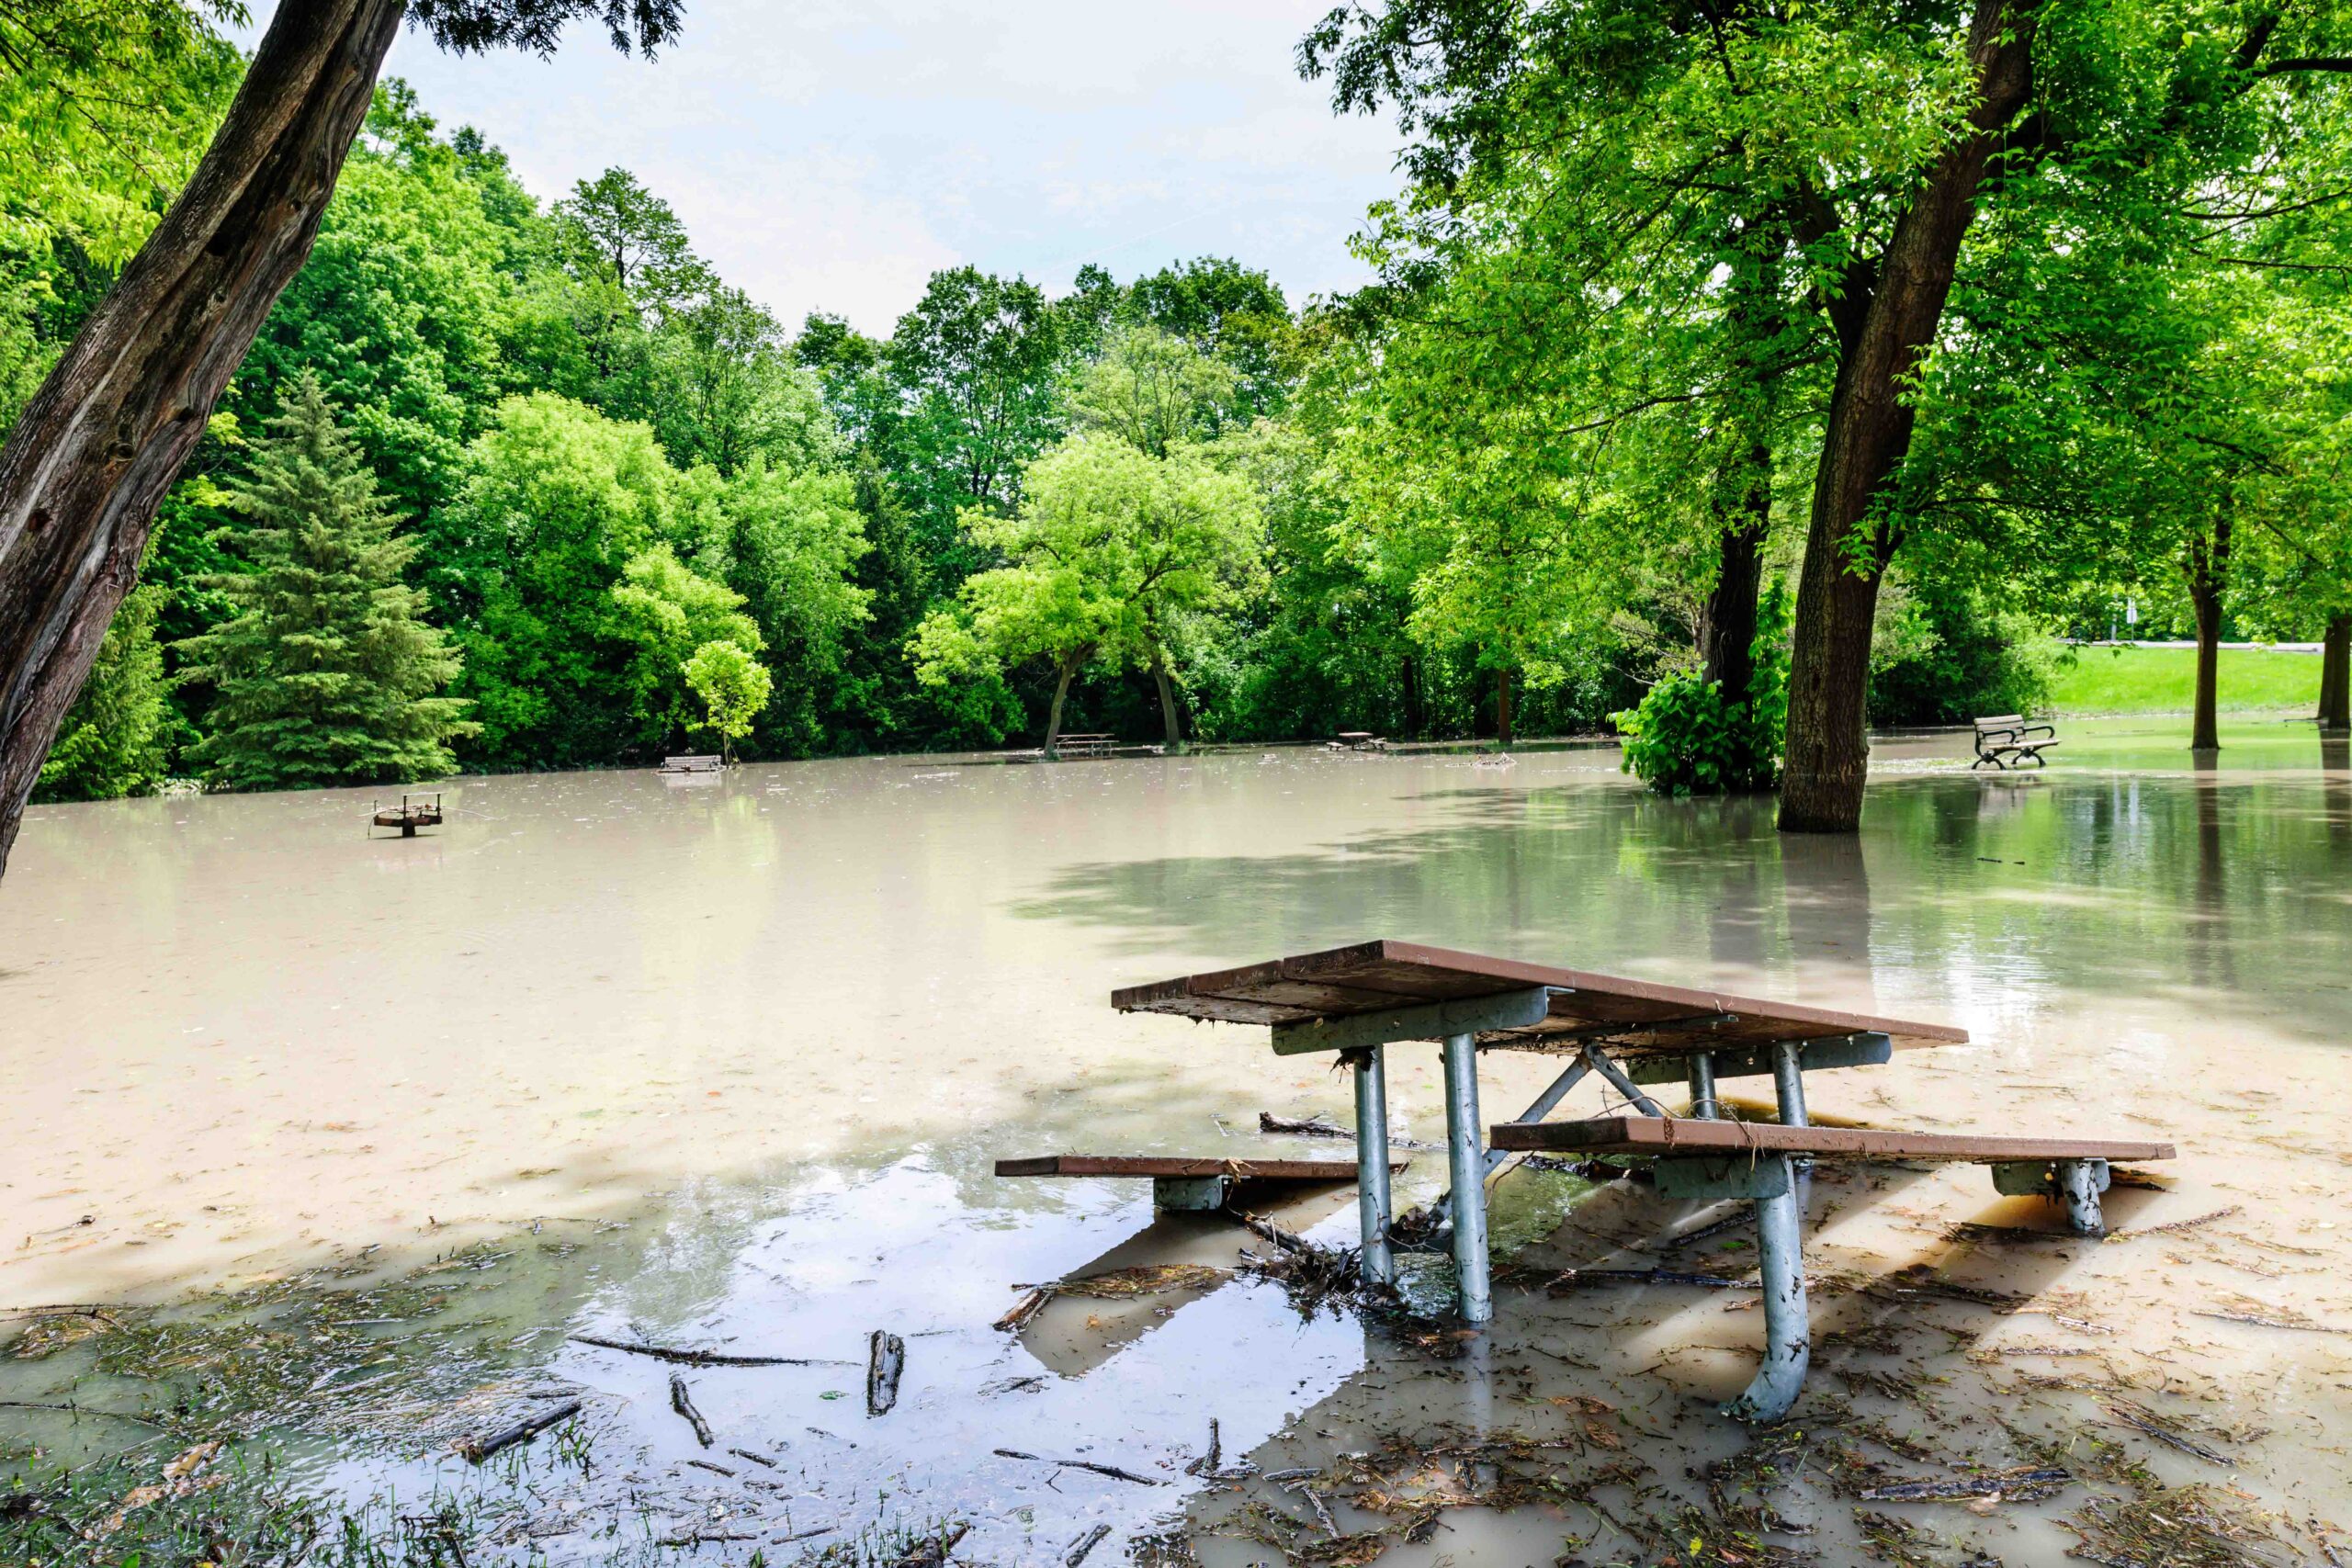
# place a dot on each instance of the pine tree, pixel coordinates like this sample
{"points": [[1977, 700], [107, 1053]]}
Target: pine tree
{"points": [[326, 671]]}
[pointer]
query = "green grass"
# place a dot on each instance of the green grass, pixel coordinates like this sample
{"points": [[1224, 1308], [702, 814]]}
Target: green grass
{"points": [[2162, 680]]}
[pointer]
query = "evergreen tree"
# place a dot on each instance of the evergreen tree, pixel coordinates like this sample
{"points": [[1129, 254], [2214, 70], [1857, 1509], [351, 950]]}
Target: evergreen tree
{"points": [[111, 743], [326, 669]]}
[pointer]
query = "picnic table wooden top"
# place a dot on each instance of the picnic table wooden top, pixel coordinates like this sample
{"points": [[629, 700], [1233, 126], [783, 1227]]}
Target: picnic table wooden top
{"points": [[1631, 1016]]}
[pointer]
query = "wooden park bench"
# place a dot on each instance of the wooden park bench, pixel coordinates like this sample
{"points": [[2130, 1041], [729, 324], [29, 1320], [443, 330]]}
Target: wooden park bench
{"points": [[1696, 1157], [1355, 1001], [693, 765], [2006, 740], [1187, 1183]]}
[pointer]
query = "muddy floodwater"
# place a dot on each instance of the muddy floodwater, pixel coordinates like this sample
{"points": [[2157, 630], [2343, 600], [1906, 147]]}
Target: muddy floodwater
{"points": [[352, 1136]]}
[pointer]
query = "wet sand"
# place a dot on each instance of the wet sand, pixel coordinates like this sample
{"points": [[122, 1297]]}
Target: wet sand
{"points": [[779, 1024]]}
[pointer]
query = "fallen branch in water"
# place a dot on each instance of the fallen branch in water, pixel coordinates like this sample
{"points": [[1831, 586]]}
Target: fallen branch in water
{"points": [[885, 1362], [2028, 1484], [1570, 1279], [2178, 1225], [481, 1449], [1113, 1471], [2260, 1321], [1271, 1232], [82, 1410], [1315, 1126], [1086, 1543], [701, 1537], [2141, 1419], [702, 1358], [681, 1402]]}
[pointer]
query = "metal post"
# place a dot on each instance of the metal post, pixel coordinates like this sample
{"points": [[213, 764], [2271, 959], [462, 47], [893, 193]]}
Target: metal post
{"points": [[1601, 1064], [2080, 1182], [1788, 1081], [1701, 1068], [1788, 1334], [1469, 1174], [1372, 1164], [1543, 1106]]}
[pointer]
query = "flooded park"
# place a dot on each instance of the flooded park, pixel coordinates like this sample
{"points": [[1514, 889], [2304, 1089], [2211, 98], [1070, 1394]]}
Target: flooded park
{"points": [[346, 1151]]}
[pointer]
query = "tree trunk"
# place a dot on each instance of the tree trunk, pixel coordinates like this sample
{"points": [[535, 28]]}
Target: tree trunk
{"points": [[2209, 574], [108, 432], [1502, 708], [2336, 675], [1727, 625], [1170, 729], [1412, 676], [1868, 436], [1061, 693]]}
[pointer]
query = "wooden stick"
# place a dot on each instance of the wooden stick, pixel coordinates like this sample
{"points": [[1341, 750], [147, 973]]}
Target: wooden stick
{"points": [[886, 1361], [523, 1431], [681, 1402], [1113, 1471], [702, 1358]]}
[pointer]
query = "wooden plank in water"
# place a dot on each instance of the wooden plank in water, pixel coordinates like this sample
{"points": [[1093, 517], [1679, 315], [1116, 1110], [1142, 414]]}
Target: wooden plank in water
{"points": [[1178, 1165], [1664, 1136], [1373, 976]]}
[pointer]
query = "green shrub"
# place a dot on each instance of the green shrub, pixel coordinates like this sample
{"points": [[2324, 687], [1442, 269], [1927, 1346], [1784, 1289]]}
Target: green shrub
{"points": [[1685, 740]]}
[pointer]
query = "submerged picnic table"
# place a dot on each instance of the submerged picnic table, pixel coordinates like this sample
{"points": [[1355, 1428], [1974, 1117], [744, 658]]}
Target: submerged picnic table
{"points": [[1358, 1000]]}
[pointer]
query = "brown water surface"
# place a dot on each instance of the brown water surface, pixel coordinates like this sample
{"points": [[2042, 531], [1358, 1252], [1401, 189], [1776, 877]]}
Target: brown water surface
{"points": [[780, 1022]]}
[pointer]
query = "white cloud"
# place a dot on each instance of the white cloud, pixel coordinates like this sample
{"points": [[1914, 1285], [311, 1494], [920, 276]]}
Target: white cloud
{"points": [[830, 154]]}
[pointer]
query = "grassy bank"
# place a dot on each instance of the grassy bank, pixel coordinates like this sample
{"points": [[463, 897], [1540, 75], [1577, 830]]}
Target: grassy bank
{"points": [[2162, 680]]}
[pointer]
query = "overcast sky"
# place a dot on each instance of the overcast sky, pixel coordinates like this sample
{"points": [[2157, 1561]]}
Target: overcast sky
{"points": [[830, 154]]}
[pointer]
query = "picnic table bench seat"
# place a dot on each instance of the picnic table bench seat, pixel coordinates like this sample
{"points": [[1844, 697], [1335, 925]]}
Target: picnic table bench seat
{"points": [[1710, 1158], [1181, 1182], [2006, 740]]}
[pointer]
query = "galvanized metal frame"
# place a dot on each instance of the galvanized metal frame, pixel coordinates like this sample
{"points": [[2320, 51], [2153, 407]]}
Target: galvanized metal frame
{"points": [[1422, 1020]]}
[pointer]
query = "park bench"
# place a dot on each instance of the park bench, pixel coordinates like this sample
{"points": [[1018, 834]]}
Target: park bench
{"points": [[1696, 1157], [1085, 745], [1189, 1183], [693, 765], [2006, 740]]}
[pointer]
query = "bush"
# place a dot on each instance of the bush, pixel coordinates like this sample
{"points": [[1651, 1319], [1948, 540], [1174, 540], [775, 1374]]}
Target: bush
{"points": [[1685, 740]]}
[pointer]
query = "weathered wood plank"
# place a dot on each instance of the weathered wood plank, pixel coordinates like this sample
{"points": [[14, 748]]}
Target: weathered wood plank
{"points": [[1677, 1137]]}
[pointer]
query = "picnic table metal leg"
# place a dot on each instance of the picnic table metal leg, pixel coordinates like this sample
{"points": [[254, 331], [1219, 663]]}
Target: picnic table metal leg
{"points": [[2080, 1182], [1546, 1103], [1469, 1173], [1704, 1103], [1598, 1061], [1788, 1081], [1788, 1331], [1372, 1164]]}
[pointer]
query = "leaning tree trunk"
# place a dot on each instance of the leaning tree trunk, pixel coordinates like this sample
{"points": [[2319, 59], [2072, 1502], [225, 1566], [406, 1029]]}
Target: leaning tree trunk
{"points": [[1070, 667], [1169, 728], [107, 433], [1868, 436], [2336, 675]]}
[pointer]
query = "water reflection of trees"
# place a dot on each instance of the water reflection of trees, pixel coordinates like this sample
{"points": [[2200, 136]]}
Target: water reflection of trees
{"points": [[2216, 884]]}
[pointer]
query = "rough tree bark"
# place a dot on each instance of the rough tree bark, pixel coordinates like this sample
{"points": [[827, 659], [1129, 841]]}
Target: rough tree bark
{"points": [[1869, 435], [1169, 728], [2208, 568], [2336, 675], [108, 432], [1070, 667], [1727, 624]]}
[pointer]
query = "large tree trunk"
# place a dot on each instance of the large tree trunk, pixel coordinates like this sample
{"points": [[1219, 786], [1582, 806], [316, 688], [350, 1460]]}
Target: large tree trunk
{"points": [[1869, 435], [107, 433], [2336, 675], [2209, 574], [1171, 731]]}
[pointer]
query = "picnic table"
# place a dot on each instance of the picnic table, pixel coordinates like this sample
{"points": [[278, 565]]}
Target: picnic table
{"points": [[1084, 745], [1360, 1000]]}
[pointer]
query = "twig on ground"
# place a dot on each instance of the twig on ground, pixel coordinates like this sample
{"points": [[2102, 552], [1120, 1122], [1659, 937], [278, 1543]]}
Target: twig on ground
{"points": [[702, 1358], [1113, 1471], [481, 1449]]}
